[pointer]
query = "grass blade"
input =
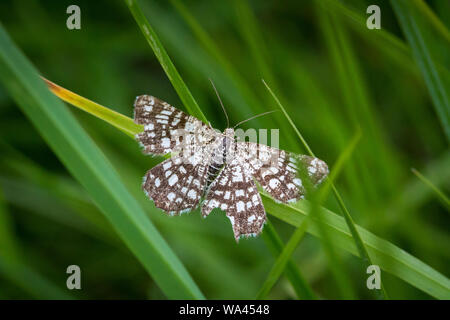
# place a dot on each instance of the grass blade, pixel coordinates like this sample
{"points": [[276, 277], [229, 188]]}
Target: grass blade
{"points": [[282, 261], [351, 225], [434, 20], [112, 117], [305, 144], [164, 59], [389, 257], [384, 41], [407, 15], [90, 167], [249, 28], [295, 239], [301, 287], [445, 200]]}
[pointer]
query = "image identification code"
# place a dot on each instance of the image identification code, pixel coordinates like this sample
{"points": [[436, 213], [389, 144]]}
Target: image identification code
{"points": [[227, 309]]}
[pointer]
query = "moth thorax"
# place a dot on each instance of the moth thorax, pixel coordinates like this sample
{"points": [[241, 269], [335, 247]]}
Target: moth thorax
{"points": [[228, 145]]}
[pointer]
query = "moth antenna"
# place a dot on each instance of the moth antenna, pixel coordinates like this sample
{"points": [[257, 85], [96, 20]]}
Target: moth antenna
{"points": [[220, 100], [251, 118]]}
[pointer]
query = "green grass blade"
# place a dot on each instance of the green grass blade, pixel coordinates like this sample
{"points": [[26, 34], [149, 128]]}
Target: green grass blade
{"points": [[300, 285], [305, 144], [340, 162], [295, 239], [248, 26], [112, 117], [282, 261], [441, 195], [382, 39], [89, 166], [164, 59], [415, 194], [434, 20], [351, 225], [388, 256], [407, 15], [360, 109]]}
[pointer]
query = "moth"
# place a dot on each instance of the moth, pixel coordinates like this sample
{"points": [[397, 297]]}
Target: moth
{"points": [[210, 169]]}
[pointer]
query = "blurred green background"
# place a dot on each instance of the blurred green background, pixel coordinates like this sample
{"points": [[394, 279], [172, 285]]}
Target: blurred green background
{"points": [[332, 75]]}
